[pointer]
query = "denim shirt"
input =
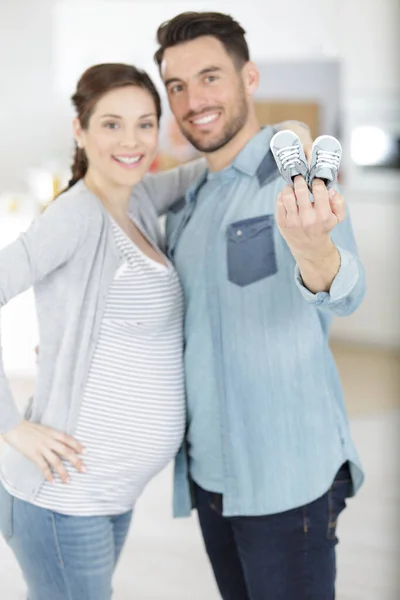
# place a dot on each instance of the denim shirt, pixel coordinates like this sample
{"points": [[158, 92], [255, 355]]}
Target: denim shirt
{"points": [[203, 415], [282, 419]]}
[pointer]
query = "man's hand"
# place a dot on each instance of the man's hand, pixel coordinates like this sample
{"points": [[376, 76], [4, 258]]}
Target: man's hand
{"points": [[46, 447], [306, 228]]}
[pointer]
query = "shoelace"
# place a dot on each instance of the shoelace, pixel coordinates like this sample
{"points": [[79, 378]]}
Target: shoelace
{"points": [[327, 159], [289, 156]]}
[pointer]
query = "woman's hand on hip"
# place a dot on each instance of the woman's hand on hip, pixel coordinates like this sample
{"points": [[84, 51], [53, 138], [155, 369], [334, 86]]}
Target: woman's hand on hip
{"points": [[46, 447]]}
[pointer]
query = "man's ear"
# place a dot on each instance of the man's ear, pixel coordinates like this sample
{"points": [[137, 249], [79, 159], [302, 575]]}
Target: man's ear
{"points": [[78, 132], [251, 77]]}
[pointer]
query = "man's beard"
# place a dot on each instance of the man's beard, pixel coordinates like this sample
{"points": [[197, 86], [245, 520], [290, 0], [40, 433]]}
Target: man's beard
{"points": [[231, 129]]}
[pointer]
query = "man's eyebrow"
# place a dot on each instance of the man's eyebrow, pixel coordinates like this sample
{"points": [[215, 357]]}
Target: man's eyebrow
{"points": [[204, 71], [168, 82], [209, 70]]}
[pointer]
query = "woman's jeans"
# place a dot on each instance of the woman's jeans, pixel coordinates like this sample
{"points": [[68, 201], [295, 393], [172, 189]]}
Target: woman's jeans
{"points": [[63, 557]]}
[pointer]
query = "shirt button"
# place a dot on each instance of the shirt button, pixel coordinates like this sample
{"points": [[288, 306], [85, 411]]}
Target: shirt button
{"points": [[239, 232]]}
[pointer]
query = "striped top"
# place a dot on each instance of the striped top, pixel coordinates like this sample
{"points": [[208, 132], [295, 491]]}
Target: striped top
{"points": [[132, 416]]}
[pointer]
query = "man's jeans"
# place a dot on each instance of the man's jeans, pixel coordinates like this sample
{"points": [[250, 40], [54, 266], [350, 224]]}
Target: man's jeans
{"points": [[63, 557], [286, 556]]}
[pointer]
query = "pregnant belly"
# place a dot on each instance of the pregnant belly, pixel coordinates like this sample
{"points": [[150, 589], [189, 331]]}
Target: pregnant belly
{"points": [[122, 454], [134, 432]]}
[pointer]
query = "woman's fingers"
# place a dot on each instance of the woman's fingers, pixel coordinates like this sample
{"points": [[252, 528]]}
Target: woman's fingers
{"points": [[56, 464], [44, 467], [67, 440], [69, 455], [47, 448]]}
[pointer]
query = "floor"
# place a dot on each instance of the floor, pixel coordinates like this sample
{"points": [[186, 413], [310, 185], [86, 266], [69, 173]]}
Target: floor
{"points": [[164, 559]]}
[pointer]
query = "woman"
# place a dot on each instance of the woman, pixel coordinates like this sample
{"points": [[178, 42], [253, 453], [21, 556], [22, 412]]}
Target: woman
{"points": [[108, 410]]}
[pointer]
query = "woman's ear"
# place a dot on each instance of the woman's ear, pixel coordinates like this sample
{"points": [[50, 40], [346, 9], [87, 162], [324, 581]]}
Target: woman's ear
{"points": [[78, 132]]}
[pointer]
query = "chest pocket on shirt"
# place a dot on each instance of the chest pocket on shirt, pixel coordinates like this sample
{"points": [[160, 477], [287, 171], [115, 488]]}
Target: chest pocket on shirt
{"points": [[251, 250]]}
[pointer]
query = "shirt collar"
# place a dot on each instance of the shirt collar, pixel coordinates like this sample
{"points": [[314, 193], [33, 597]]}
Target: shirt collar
{"points": [[196, 185], [247, 161]]}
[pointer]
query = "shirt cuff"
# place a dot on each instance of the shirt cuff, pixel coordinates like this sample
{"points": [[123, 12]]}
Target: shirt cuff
{"points": [[342, 285]]}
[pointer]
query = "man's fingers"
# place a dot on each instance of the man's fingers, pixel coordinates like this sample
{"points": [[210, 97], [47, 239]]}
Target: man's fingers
{"points": [[321, 198], [280, 210], [302, 194], [337, 204], [289, 202]]}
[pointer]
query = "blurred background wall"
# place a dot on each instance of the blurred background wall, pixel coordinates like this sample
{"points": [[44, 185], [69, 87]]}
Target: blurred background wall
{"points": [[343, 56]]}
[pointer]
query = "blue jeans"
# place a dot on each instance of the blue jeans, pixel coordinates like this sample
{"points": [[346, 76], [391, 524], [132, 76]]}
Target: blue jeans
{"points": [[63, 557], [286, 556]]}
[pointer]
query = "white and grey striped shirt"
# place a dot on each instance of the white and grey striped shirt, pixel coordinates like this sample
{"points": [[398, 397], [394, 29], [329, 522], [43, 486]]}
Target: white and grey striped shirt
{"points": [[133, 411]]}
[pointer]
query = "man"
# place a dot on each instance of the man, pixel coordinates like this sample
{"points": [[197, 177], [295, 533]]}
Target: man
{"points": [[268, 460]]}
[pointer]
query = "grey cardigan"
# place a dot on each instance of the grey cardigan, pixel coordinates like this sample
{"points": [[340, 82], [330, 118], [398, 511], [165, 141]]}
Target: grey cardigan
{"points": [[69, 257]]}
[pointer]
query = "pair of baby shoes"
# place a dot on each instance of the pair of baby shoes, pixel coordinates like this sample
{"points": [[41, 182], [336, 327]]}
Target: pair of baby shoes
{"points": [[326, 154]]}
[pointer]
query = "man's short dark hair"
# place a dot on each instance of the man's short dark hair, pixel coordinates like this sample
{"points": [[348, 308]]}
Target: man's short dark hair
{"points": [[189, 26]]}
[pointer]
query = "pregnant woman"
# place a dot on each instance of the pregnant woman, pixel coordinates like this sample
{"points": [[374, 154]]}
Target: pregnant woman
{"points": [[108, 410]]}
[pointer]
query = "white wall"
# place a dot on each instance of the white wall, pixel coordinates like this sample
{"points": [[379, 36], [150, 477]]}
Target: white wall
{"points": [[45, 45], [26, 97]]}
